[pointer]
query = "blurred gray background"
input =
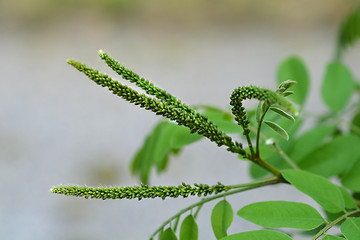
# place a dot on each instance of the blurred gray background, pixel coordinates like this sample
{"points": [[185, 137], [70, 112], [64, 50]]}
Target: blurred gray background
{"points": [[57, 127]]}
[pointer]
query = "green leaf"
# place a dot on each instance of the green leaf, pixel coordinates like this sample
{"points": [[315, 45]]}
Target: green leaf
{"points": [[154, 150], [351, 179], [351, 228], [350, 29], [282, 113], [135, 163], [338, 86], [314, 231], [189, 229], [266, 152], [334, 157], [163, 133], [355, 125], [318, 188], [221, 218], [288, 93], [332, 216], [294, 68], [258, 112], [182, 137], [282, 214], [224, 120], [258, 235], [143, 159], [277, 129], [349, 200], [309, 141], [165, 138], [285, 85], [331, 237], [168, 234]]}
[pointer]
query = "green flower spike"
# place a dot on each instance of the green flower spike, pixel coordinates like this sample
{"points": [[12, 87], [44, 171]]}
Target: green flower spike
{"points": [[163, 104], [252, 92], [140, 192]]}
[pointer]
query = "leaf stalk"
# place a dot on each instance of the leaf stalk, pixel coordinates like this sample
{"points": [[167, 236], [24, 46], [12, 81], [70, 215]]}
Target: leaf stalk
{"points": [[336, 221]]}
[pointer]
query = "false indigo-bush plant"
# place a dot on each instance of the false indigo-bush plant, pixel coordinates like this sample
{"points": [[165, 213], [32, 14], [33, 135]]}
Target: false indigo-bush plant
{"points": [[330, 149]]}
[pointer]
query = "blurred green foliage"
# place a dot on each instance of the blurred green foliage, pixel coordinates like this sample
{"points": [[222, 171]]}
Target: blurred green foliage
{"points": [[306, 12]]}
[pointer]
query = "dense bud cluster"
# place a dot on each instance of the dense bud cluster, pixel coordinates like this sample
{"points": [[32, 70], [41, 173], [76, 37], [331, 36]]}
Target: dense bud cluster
{"points": [[252, 92], [140, 192], [163, 104]]}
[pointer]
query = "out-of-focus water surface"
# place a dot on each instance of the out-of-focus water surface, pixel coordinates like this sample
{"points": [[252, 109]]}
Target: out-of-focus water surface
{"points": [[57, 127]]}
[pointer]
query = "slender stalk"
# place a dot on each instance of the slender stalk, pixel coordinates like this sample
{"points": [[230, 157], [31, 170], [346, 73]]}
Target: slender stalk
{"points": [[336, 221], [258, 131], [205, 200], [256, 183], [286, 157], [278, 149], [250, 143], [259, 161], [197, 211], [176, 223]]}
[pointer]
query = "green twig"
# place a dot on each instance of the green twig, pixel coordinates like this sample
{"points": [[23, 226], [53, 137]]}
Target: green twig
{"points": [[198, 210], [248, 139], [336, 221], [276, 148], [256, 183], [176, 223], [269, 181], [258, 131], [287, 159]]}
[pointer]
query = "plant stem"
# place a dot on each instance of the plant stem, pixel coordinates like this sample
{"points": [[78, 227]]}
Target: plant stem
{"points": [[286, 157], [259, 161], [250, 143], [279, 150], [176, 223], [258, 131], [197, 211], [256, 183], [256, 156], [336, 221], [265, 182]]}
